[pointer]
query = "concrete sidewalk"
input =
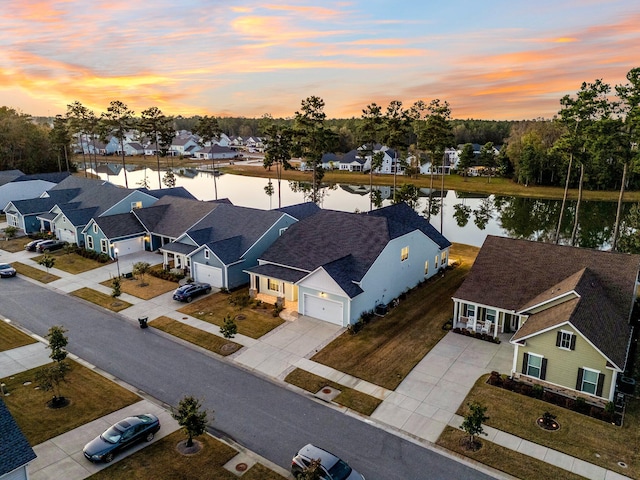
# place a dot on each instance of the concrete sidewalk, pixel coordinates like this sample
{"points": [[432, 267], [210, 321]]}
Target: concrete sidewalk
{"points": [[421, 407]]}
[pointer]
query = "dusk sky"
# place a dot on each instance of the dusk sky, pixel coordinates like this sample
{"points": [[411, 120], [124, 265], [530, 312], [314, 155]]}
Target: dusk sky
{"points": [[490, 59]]}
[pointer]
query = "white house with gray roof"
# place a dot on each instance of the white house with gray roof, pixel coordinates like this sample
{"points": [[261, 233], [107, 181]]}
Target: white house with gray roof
{"points": [[335, 266]]}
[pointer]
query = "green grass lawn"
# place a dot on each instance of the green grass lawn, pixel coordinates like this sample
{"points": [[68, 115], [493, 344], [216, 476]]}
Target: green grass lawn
{"points": [[102, 299], [591, 440], [35, 273], [92, 396], [11, 337], [71, 262], [203, 339], [388, 348], [252, 321], [348, 397], [162, 461]]}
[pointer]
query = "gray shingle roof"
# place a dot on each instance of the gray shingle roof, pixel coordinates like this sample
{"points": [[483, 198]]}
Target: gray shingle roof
{"points": [[277, 271], [54, 177], [345, 244], [120, 225], [173, 192], [15, 450], [301, 210], [172, 216], [515, 274]]}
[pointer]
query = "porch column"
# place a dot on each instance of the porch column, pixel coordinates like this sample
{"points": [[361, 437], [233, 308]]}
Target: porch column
{"points": [[495, 327], [253, 291], [165, 259], [456, 308]]}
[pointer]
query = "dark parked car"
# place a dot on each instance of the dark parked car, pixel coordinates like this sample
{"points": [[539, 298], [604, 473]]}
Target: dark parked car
{"points": [[332, 467], [50, 245], [7, 270], [120, 436], [31, 246], [187, 292]]}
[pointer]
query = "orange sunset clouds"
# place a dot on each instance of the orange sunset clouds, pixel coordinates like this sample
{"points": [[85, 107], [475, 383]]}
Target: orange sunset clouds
{"points": [[491, 60]]}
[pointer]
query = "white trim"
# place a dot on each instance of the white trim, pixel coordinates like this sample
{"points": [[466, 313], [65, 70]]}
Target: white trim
{"points": [[571, 334], [559, 297]]}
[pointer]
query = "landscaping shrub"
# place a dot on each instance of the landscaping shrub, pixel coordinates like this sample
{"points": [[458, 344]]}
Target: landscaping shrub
{"points": [[509, 384], [276, 310], [240, 300], [165, 275], [495, 379], [581, 405], [537, 391]]}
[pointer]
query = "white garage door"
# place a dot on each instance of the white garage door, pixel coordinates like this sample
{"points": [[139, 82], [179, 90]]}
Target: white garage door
{"points": [[323, 309], [208, 274], [66, 235], [132, 245]]}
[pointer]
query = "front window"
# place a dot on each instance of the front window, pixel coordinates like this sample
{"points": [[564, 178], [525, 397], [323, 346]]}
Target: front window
{"points": [[444, 258], [95, 228], [566, 340], [206, 254], [135, 205], [404, 254], [89, 241], [426, 267], [534, 365], [491, 315], [471, 310], [272, 285], [436, 262], [589, 381], [103, 246]]}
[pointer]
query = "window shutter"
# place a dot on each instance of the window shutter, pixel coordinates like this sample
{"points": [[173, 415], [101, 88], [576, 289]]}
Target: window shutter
{"points": [[525, 361], [558, 339], [543, 369], [579, 381], [600, 384], [573, 342]]}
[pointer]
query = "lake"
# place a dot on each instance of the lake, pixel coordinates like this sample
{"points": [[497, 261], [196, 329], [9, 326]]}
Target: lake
{"points": [[466, 217]]}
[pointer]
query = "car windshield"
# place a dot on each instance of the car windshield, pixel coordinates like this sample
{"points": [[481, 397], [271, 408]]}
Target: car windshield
{"points": [[340, 471], [112, 435], [4, 266]]}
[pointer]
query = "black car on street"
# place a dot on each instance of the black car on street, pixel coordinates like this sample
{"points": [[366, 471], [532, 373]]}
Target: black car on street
{"points": [[189, 291]]}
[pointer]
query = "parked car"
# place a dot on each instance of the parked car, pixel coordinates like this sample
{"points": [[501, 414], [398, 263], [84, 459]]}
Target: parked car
{"points": [[31, 246], [120, 436], [50, 245], [332, 467], [7, 270], [189, 291]]}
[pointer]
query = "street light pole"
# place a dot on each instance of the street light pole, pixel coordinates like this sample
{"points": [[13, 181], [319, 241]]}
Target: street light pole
{"points": [[115, 252]]}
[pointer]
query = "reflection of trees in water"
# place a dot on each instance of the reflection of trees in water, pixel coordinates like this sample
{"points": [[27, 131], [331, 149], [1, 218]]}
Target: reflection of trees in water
{"points": [[483, 213], [461, 213], [306, 188], [535, 219]]}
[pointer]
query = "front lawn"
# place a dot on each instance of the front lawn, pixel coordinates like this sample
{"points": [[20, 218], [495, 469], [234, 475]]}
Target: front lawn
{"points": [[35, 273], [14, 245], [71, 262], [388, 348], [150, 288], [348, 397], [92, 396], [161, 460], [203, 339], [253, 320], [11, 337], [102, 299], [581, 436], [501, 458]]}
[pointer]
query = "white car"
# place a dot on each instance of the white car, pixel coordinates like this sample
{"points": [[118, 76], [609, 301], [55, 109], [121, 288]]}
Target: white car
{"points": [[7, 270]]}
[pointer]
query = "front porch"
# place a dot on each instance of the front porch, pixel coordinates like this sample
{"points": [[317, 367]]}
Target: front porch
{"points": [[482, 319]]}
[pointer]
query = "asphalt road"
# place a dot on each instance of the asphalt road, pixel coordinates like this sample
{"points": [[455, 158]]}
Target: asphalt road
{"points": [[264, 416]]}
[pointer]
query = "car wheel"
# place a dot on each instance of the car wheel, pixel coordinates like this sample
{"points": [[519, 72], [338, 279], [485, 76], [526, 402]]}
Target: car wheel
{"points": [[149, 436], [208, 290], [108, 457], [189, 299]]}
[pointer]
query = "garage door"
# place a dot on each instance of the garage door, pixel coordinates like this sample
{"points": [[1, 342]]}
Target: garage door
{"points": [[323, 309], [66, 235], [208, 274], [132, 245]]}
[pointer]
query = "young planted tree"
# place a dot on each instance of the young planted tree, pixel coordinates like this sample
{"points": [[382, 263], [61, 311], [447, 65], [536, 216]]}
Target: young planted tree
{"points": [[209, 130], [472, 424], [49, 378], [156, 126], [141, 268], [47, 261], [229, 327], [191, 417], [116, 285], [117, 121], [10, 231]]}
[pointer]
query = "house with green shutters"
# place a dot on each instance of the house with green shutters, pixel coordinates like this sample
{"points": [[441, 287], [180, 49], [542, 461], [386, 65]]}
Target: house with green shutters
{"points": [[569, 311]]}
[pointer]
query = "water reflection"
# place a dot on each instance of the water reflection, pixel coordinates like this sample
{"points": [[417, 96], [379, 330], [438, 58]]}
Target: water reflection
{"points": [[466, 217]]}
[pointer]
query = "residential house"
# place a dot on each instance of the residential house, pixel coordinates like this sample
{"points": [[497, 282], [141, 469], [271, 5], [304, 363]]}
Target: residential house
{"points": [[353, 162], [28, 186], [569, 310], [124, 233], [15, 451], [216, 152], [227, 241], [31, 215], [133, 148], [69, 219], [446, 165], [185, 146], [335, 266]]}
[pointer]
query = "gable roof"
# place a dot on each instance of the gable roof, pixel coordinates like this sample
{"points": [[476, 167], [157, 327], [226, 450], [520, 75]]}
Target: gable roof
{"points": [[119, 225], [7, 176], [15, 450], [172, 216], [522, 274], [301, 210], [345, 244], [54, 177], [229, 230], [172, 192]]}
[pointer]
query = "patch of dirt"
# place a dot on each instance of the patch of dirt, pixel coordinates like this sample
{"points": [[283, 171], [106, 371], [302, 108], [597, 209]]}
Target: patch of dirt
{"points": [[470, 445], [229, 347], [182, 448], [58, 402]]}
